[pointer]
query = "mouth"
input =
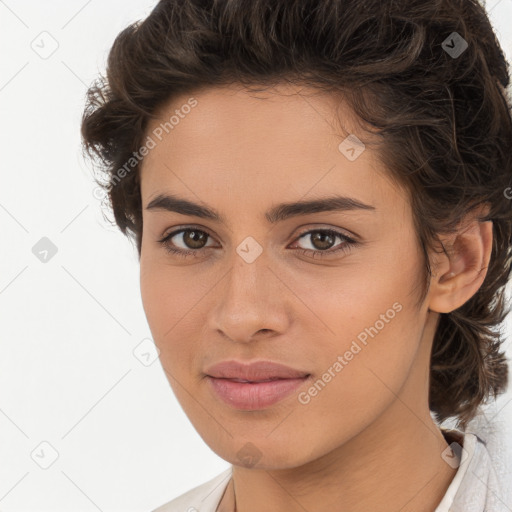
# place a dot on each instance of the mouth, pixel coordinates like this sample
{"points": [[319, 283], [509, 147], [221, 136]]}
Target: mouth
{"points": [[254, 386]]}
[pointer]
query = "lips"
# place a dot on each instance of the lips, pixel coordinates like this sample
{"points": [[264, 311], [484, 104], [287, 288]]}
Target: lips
{"points": [[259, 371], [253, 386]]}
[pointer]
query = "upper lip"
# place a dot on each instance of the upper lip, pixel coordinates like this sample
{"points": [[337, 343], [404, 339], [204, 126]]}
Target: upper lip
{"points": [[253, 372]]}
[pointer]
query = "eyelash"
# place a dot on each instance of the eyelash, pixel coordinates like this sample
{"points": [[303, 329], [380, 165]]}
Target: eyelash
{"points": [[344, 247]]}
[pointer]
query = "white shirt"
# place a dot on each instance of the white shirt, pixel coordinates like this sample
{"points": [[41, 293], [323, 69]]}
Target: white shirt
{"points": [[476, 487]]}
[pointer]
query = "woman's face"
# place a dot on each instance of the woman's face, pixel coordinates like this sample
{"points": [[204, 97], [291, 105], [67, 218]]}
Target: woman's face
{"points": [[254, 289]]}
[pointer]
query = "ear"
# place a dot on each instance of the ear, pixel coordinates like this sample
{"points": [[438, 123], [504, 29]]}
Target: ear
{"points": [[460, 273]]}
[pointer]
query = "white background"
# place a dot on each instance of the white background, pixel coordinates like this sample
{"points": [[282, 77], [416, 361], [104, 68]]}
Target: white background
{"points": [[68, 374]]}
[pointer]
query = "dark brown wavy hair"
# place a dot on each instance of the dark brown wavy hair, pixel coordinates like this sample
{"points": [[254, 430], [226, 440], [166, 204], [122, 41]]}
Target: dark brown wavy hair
{"points": [[444, 123]]}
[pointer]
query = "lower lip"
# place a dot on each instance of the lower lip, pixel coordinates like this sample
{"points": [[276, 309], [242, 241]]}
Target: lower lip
{"points": [[254, 395]]}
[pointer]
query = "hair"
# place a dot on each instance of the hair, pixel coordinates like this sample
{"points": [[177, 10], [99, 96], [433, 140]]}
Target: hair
{"points": [[443, 120]]}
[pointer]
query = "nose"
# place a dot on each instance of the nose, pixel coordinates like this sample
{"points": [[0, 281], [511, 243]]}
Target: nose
{"points": [[251, 302]]}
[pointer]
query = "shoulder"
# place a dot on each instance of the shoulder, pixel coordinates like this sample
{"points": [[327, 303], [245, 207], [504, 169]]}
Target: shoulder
{"points": [[205, 497]]}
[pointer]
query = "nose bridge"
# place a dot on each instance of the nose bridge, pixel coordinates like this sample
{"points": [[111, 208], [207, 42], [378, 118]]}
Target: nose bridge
{"points": [[249, 268], [247, 301], [247, 284]]}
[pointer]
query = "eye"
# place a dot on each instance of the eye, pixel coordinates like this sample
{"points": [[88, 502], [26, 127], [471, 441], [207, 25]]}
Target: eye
{"points": [[193, 242], [190, 238], [322, 241]]}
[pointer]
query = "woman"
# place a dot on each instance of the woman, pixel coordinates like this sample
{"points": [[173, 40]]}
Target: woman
{"points": [[319, 192]]}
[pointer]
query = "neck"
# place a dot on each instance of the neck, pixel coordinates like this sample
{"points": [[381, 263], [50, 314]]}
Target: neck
{"points": [[400, 471]]}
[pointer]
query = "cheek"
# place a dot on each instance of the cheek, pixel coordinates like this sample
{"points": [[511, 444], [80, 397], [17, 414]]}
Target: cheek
{"points": [[169, 294], [357, 381], [169, 302], [157, 300], [343, 303], [370, 320]]}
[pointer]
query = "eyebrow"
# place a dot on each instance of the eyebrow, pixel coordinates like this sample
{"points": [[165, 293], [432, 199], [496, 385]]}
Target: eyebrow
{"points": [[281, 212]]}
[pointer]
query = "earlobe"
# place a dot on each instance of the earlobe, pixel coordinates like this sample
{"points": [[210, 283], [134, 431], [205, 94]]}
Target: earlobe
{"points": [[462, 269]]}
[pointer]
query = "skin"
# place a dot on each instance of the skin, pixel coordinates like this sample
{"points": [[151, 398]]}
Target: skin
{"points": [[367, 440]]}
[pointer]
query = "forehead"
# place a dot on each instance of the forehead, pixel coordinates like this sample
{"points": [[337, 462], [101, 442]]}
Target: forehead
{"points": [[235, 110], [283, 141]]}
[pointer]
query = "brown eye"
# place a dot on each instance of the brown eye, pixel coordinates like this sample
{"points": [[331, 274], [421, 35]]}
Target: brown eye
{"points": [[188, 241], [321, 240], [194, 239]]}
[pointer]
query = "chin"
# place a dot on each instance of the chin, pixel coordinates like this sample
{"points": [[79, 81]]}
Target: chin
{"points": [[262, 453]]}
